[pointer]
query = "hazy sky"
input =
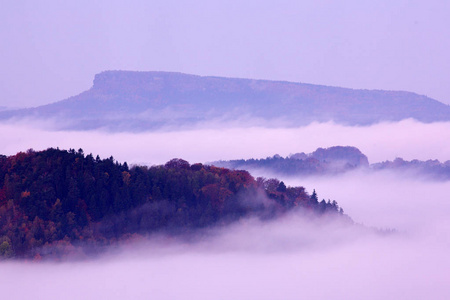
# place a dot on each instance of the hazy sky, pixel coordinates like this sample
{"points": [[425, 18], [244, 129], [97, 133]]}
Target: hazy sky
{"points": [[50, 50]]}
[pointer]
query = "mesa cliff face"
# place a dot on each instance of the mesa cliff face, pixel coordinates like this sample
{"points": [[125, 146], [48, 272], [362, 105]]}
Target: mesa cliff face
{"points": [[146, 100]]}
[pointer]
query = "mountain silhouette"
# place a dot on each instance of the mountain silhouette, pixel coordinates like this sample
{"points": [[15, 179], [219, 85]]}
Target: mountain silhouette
{"points": [[128, 100]]}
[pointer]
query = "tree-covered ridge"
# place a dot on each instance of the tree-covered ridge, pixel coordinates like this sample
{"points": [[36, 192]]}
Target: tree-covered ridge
{"points": [[337, 160], [54, 200], [332, 160], [432, 168]]}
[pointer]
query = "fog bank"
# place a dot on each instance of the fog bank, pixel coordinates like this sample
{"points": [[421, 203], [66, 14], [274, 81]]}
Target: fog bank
{"points": [[292, 258], [386, 141]]}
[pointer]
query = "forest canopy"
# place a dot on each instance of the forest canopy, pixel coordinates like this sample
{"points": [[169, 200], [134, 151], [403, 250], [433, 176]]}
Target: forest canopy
{"points": [[57, 203]]}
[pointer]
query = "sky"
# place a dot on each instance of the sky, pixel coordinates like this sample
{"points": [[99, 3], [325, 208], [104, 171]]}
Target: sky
{"points": [[51, 50]]}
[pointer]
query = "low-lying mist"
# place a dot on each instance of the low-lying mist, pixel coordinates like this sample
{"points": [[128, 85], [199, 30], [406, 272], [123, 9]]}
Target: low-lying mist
{"points": [[223, 141], [296, 257]]}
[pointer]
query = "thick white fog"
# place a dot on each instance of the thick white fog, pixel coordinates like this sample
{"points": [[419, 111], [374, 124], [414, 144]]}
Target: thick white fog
{"points": [[386, 141], [291, 258]]}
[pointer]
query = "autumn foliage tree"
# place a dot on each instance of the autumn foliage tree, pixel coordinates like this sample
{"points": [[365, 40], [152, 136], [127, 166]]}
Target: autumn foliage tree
{"points": [[53, 200]]}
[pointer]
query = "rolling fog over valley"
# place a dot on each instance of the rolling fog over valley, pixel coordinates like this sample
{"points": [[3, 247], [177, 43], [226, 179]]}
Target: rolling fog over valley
{"points": [[225, 141], [285, 258], [393, 234], [354, 260]]}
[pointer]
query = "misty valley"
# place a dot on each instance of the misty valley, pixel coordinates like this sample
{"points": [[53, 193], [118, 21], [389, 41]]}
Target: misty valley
{"points": [[58, 204], [225, 150], [176, 182]]}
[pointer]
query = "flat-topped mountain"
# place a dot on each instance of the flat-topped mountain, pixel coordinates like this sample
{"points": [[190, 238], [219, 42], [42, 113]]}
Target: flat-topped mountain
{"points": [[127, 100]]}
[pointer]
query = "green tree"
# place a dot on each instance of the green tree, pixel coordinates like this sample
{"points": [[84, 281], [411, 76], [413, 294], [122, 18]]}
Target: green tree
{"points": [[281, 187], [6, 250], [314, 198]]}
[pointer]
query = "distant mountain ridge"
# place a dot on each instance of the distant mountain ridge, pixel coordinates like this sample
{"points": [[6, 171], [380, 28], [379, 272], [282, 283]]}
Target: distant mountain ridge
{"points": [[128, 100], [337, 160], [323, 161]]}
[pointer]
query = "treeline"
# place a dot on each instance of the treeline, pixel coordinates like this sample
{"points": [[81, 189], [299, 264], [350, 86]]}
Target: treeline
{"points": [[54, 201], [332, 160], [432, 169], [337, 160], [278, 165]]}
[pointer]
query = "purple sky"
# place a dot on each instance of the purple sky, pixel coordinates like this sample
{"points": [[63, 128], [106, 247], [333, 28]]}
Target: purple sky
{"points": [[50, 50]]}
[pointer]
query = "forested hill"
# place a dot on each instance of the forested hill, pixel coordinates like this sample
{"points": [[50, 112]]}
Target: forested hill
{"points": [[127, 100], [332, 160], [337, 160], [58, 203]]}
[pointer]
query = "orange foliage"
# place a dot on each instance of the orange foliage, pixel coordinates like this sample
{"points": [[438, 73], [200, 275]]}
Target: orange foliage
{"points": [[217, 194], [25, 194]]}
